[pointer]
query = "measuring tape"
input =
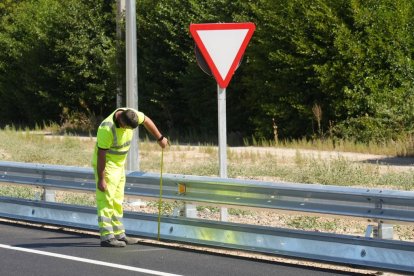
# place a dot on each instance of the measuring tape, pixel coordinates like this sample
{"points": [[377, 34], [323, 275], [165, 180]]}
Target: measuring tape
{"points": [[160, 199]]}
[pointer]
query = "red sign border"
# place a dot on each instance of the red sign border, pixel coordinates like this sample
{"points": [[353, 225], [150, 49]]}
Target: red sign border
{"points": [[222, 26]]}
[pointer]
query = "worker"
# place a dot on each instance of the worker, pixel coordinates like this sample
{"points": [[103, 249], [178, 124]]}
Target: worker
{"points": [[113, 141]]}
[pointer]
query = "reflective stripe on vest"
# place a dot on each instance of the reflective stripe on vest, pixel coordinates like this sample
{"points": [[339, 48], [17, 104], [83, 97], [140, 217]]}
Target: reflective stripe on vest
{"points": [[114, 149]]}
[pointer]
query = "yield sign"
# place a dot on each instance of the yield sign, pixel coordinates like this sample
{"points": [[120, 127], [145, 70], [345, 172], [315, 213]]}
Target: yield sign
{"points": [[222, 46]]}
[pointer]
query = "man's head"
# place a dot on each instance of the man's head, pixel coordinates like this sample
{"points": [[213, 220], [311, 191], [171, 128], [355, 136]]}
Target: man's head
{"points": [[129, 119]]}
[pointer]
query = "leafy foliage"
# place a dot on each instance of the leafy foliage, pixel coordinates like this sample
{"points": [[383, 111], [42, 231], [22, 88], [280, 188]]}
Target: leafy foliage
{"points": [[53, 61], [350, 60]]}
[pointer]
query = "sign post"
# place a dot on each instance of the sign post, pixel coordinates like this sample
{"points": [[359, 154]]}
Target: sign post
{"points": [[222, 46], [222, 126]]}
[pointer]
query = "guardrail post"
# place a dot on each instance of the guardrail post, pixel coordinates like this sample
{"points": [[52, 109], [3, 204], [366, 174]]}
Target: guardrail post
{"points": [[48, 195], [178, 211], [380, 231], [190, 210], [370, 231], [385, 231]]}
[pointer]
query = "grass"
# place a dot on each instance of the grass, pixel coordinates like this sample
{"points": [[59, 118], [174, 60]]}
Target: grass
{"points": [[403, 147], [260, 163], [20, 192], [26, 146]]}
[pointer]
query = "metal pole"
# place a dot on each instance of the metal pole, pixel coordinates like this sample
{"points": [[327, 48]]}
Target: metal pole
{"points": [[120, 9], [132, 78], [222, 127]]}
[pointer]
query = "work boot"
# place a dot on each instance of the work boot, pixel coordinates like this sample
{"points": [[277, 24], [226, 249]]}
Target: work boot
{"points": [[113, 243], [128, 240]]}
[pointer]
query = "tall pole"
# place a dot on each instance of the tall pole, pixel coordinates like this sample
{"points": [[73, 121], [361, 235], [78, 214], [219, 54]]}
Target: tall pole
{"points": [[132, 78], [222, 128], [120, 9]]}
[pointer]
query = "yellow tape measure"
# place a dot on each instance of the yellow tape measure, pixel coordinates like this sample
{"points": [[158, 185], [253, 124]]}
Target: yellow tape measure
{"points": [[160, 199]]}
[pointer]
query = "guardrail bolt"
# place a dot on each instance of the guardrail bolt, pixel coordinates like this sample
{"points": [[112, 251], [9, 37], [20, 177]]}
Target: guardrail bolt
{"points": [[363, 253], [375, 232]]}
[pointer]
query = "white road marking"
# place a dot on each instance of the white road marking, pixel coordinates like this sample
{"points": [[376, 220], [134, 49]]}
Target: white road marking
{"points": [[90, 261]]}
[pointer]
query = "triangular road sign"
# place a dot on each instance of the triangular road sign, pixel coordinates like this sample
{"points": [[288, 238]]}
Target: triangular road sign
{"points": [[222, 46]]}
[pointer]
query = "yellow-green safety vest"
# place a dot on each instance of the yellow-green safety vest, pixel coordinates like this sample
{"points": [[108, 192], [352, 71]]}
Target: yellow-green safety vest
{"points": [[116, 141]]}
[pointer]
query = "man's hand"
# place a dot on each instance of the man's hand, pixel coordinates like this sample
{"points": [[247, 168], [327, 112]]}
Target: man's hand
{"points": [[102, 185], [152, 128], [163, 142]]}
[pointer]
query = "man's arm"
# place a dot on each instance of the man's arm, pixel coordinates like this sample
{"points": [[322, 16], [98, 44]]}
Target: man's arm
{"points": [[152, 128], [101, 169]]}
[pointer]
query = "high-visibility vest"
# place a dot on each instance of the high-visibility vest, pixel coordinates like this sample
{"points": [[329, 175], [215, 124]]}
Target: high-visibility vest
{"points": [[115, 140]]}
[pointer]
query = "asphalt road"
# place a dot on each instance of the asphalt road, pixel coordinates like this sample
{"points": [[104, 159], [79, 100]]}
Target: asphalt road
{"points": [[27, 250]]}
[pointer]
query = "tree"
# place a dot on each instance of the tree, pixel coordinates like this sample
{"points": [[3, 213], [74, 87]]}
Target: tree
{"points": [[56, 56], [377, 53], [351, 58]]}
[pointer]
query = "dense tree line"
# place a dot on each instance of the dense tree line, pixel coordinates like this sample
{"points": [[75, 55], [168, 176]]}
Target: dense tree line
{"points": [[339, 68]]}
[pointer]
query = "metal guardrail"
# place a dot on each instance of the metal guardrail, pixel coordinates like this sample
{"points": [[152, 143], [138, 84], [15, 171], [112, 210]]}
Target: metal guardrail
{"points": [[384, 206], [372, 204]]}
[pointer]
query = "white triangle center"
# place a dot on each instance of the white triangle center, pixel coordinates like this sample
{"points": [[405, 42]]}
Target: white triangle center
{"points": [[223, 46]]}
